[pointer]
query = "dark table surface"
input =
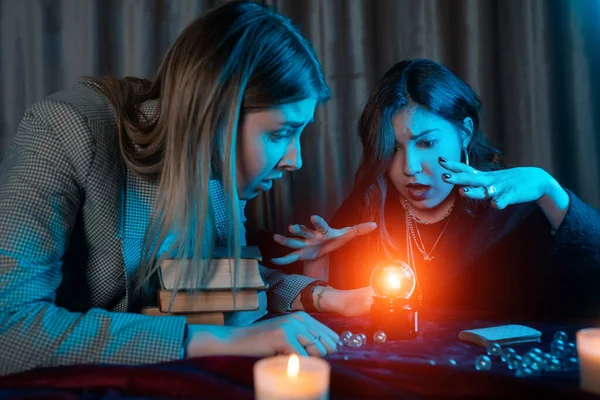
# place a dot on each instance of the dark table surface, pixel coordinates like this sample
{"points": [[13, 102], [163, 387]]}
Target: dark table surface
{"points": [[419, 368]]}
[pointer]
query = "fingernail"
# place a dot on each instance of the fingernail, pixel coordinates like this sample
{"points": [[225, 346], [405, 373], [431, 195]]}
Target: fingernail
{"points": [[447, 176], [465, 190], [442, 159]]}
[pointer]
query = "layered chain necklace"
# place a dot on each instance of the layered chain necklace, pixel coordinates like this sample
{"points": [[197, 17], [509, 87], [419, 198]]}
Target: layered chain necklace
{"points": [[412, 232]]}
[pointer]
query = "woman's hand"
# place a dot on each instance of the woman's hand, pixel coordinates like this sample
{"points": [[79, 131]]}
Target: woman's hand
{"points": [[510, 186], [312, 244], [296, 332], [348, 303]]}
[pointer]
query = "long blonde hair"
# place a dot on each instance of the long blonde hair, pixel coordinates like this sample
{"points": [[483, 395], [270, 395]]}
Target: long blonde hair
{"points": [[236, 57]]}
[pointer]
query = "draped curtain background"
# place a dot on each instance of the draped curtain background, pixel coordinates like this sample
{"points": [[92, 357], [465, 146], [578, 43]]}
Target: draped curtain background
{"points": [[535, 64]]}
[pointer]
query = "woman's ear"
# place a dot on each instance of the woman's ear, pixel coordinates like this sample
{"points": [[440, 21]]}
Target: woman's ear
{"points": [[467, 132]]}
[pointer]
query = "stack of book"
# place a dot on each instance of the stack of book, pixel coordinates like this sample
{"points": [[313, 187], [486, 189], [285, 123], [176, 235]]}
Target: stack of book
{"points": [[206, 303]]}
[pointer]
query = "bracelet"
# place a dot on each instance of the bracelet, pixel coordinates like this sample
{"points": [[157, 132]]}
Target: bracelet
{"points": [[326, 288], [306, 297]]}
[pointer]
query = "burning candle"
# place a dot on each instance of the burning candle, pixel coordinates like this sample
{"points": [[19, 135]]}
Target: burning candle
{"points": [[291, 378], [588, 350]]}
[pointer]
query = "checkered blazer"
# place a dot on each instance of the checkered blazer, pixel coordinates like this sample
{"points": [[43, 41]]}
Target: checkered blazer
{"points": [[72, 224]]}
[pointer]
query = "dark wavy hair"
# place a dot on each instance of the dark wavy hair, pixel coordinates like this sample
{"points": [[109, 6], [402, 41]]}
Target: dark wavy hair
{"points": [[424, 83]]}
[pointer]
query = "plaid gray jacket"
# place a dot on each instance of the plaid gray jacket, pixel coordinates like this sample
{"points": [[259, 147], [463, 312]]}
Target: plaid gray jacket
{"points": [[72, 225]]}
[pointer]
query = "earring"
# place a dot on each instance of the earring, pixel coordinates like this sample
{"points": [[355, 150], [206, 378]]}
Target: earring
{"points": [[464, 149]]}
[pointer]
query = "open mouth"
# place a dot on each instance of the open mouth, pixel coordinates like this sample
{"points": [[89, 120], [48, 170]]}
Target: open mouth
{"points": [[417, 192]]}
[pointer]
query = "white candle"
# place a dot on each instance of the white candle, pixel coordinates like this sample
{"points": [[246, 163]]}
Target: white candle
{"points": [[291, 378], [588, 351]]}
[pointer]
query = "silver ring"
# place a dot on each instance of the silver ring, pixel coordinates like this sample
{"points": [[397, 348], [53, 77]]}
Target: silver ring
{"points": [[314, 341], [325, 231], [490, 191]]}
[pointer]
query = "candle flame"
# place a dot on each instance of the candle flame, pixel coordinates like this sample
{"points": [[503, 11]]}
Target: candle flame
{"points": [[293, 366]]}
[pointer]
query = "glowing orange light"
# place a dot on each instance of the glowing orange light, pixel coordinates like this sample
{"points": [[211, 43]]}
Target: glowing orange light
{"points": [[393, 281], [293, 367]]}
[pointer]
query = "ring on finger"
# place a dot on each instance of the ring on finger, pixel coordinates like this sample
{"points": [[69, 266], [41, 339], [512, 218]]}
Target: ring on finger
{"points": [[490, 191], [325, 231], [314, 341]]}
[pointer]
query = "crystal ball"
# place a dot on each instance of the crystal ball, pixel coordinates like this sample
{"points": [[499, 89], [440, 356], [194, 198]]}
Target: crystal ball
{"points": [[379, 337], [483, 363], [494, 349]]}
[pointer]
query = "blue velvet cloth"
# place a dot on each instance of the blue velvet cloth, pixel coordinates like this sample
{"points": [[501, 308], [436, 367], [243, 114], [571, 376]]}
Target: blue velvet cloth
{"points": [[400, 369]]}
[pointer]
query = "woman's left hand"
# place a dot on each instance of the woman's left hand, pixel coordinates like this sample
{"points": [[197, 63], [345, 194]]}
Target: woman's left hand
{"points": [[503, 187]]}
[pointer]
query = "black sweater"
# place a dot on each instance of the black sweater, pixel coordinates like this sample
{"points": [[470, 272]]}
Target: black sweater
{"points": [[508, 262]]}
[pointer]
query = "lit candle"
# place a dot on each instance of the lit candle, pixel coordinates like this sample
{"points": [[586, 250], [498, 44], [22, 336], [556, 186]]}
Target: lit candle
{"points": [[291, 378], [588, 350]]}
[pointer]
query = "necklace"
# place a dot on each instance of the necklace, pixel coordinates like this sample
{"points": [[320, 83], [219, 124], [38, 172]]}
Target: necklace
{"points": [[412, 228]]}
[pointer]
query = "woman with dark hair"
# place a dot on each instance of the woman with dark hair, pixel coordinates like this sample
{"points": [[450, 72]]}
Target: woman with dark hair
{"points": [[437, 196], [107, 178]]}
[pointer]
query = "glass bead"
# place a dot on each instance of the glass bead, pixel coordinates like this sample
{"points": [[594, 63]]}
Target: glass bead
{"points": [[557, 350], [355, 341], [432, 362], [521, 372], [508, 354], [554, 365], [536, 351], [515, 363], [528, 358], [340, 344], [536, 364], [494, 349], [345, 335], [379, 337], [535, 369], [364, 338], [452, 362], [570, 364], [560, 335], [346, 358], [483, 363], [555, 343], [571, 349]]}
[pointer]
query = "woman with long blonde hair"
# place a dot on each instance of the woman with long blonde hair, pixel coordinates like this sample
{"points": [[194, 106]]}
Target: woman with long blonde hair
{"points": [[106, 178]]}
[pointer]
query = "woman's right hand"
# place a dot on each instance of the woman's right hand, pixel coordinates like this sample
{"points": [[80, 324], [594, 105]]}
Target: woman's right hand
{"points": [[296, 332], [312, 244]]}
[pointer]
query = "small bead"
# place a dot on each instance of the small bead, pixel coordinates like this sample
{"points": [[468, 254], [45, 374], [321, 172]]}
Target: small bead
{"points": [[508, 354], [483, 363], [522, 372], [560, 335], [494, 349], [554, 365], [355, 341], [364, 338], [379, 337], [570, 364], [452, 362], [515, 363], [535, 350], [571, 349], [345, 334]]}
